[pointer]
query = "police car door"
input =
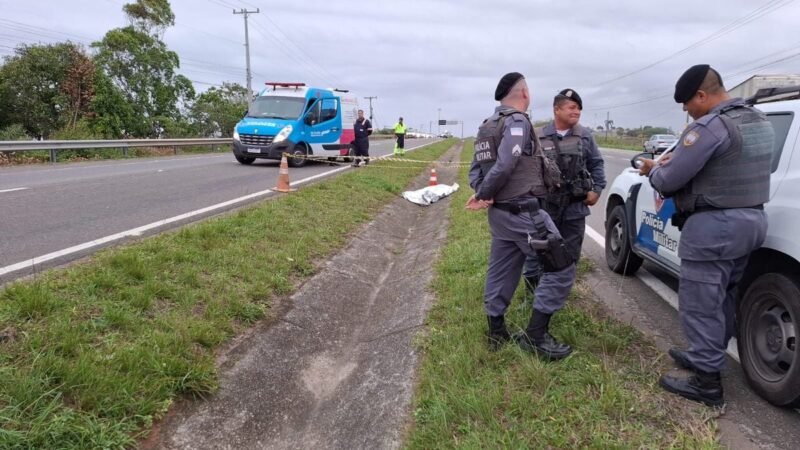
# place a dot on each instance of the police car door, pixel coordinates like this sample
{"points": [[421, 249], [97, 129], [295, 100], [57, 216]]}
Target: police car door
{"points": [[327, 128], [656, 236]]}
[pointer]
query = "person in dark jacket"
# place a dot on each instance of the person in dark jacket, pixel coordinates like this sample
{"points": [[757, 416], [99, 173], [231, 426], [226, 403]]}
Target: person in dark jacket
{"points": [[363, 129]]}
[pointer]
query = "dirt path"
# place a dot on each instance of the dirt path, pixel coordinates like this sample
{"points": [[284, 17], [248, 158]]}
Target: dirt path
{"points": [[337, 369]]}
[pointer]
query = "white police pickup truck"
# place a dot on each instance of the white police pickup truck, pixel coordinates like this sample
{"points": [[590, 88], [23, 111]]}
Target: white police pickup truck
{"points": [[638, 227]]}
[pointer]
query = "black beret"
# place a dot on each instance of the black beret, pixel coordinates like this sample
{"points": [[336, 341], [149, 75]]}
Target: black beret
{"points": [[506, 83], [690, 82], [569, 94]]}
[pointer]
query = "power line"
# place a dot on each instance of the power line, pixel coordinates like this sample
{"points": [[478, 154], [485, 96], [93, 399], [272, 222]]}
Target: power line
{"points": [[311, 69], [302, 52], [756, 14]]}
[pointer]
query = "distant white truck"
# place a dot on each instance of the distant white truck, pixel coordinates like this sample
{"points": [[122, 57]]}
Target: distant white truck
{"points": [[750, 86]]}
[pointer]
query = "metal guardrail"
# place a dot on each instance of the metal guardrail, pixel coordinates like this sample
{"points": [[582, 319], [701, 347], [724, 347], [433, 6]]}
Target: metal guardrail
{"points": [[122, 144]]}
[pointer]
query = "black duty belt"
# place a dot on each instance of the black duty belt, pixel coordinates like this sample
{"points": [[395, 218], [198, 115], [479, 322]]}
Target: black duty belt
{"points": [[529, 205], [705, 208]]}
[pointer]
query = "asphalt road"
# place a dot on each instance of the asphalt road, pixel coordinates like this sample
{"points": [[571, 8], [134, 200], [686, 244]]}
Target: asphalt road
{"points": [[47, 209], [748, 421]]}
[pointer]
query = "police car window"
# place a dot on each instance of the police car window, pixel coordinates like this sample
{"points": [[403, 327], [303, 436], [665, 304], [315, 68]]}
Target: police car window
{"points": [[329, 107], [780, 123]]}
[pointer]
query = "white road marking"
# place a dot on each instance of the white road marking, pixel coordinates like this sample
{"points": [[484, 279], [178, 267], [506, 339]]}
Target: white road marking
{"points": [[663, 291], [114, 237], [140, 230], [13, 190]]}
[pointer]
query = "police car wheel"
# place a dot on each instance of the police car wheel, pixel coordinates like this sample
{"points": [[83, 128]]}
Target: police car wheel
{"points": [[619, 256], [299, 150], [769, 325], [244, 160]]}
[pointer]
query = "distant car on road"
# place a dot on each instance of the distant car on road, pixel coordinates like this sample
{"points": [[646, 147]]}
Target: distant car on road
{"points": [[639, 227], [659, 142]]}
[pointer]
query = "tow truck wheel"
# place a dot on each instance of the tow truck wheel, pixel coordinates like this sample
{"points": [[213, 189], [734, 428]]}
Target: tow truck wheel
{"points": [[301, 160], [769, 324], [619, 256], [244, 160], [351, 152]]}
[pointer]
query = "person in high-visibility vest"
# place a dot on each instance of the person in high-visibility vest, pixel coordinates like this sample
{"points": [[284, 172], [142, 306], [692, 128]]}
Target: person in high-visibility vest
{"points": [[400, 132]]}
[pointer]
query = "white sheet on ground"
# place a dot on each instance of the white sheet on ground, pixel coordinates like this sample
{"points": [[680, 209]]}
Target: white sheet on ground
{"points": [[430, 194]]}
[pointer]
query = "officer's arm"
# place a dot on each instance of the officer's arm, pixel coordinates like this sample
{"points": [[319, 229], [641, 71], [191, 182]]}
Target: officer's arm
{"points": [[369, 126], [697, 145], [596, 165], [516, 133], [475, 175]]}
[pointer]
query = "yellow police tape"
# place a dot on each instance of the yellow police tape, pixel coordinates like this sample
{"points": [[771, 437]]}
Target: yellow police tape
{"points": [[325, 159]]}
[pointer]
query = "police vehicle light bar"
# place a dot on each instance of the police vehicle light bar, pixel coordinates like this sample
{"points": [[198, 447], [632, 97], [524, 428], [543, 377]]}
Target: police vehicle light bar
{"points": [[283, 84]]}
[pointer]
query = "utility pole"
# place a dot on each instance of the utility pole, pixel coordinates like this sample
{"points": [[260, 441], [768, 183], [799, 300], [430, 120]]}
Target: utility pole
{"points": [[245, 13], [609, 122], [370, 109]]}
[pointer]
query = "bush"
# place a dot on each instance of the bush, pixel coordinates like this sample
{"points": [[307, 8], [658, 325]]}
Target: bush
{"points": [[15, 132]]}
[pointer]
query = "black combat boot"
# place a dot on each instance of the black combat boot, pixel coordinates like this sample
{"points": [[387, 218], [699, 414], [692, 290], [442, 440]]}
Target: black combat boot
{"points": [[530, 285], [703, 387], [536, 339], [498, 334], [681, 359]]}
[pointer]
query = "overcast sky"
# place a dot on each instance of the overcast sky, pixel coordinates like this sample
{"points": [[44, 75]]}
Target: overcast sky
{"points": [[418, 56]]}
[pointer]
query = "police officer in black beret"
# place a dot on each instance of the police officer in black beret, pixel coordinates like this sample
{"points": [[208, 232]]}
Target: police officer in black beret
{"points": [[718, 176], [583, 178], [509, 172]]}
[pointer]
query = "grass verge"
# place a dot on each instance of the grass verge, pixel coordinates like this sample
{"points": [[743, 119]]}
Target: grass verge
{"points": [[90, 355], [603, 396], [66, 156], [622, 143]]}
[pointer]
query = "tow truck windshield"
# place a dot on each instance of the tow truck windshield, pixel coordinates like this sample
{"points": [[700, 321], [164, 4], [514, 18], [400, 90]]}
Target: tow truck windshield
{"points": [[276, 108]]}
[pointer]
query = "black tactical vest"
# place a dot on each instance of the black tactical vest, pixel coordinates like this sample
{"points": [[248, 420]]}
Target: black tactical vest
{"points": [[527, 179], [739, 176], [570, 154]]}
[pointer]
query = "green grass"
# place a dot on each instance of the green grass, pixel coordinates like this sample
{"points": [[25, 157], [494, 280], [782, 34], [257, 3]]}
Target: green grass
{"points": [[96, 352], [622, 143], [603, 396]]}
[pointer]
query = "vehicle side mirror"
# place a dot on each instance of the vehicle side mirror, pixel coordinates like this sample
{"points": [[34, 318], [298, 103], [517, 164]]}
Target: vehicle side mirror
{"points": [[635, 161]]}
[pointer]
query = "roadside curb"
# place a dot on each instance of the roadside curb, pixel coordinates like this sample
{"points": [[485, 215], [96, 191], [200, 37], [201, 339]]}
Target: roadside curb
{"points": [[338, 368]]}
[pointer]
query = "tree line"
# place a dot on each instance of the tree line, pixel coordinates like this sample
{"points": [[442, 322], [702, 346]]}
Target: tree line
{"points": [[125, 86]]}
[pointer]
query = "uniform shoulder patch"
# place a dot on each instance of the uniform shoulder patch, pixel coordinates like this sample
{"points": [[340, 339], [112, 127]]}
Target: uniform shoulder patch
{"points": [[690, 138], [516, 131], [516, 151]]}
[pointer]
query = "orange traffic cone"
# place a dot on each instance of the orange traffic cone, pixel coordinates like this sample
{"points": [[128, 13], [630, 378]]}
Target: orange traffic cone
{"points": [[283, 176], [433, 181]]}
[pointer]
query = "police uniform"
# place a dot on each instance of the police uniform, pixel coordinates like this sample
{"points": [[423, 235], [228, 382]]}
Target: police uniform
{"points": [[718, 176], [362, 129], [582, 170], [512, 175]]}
